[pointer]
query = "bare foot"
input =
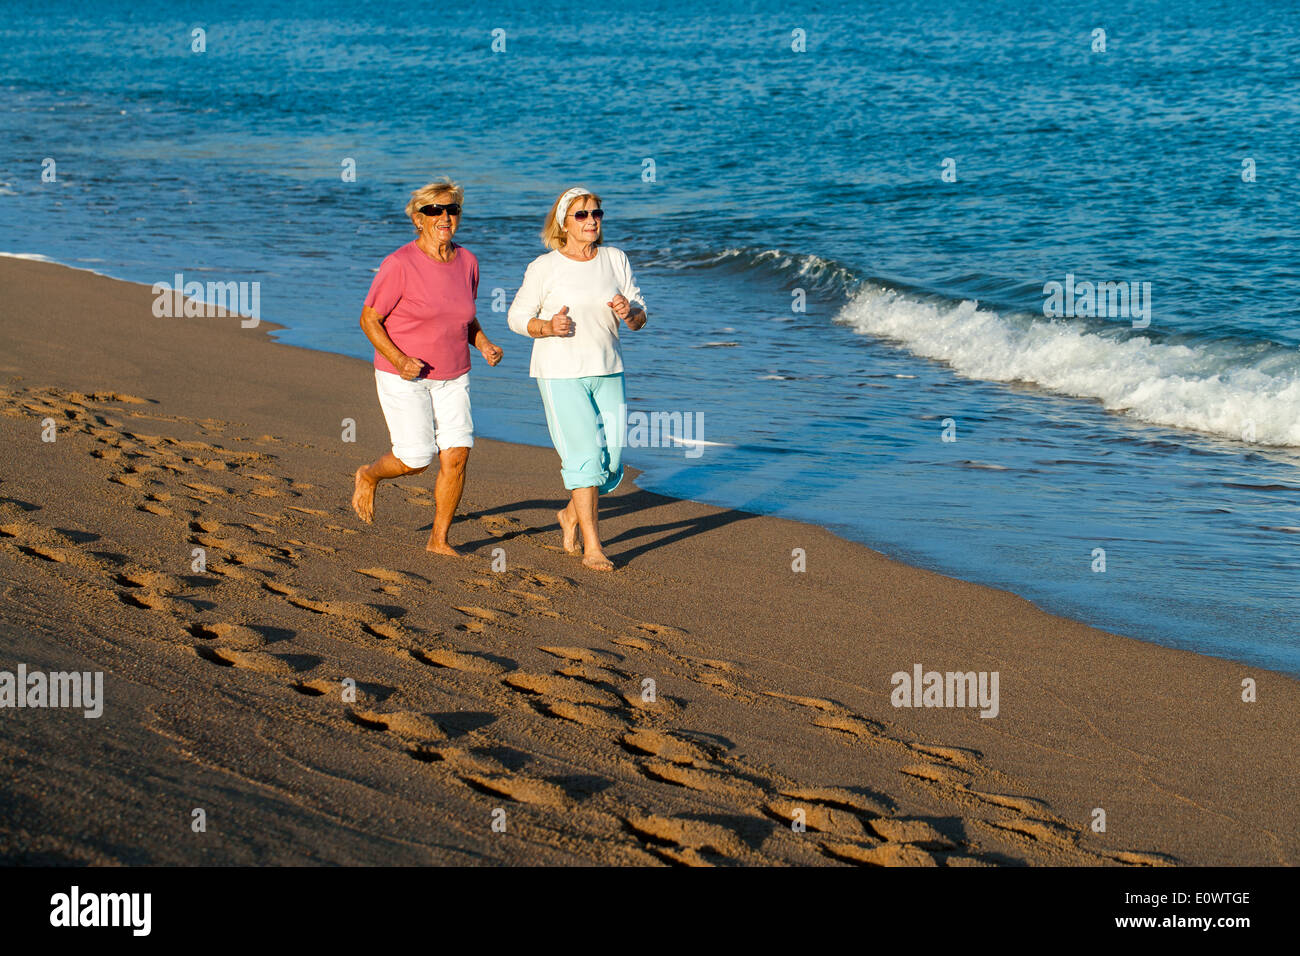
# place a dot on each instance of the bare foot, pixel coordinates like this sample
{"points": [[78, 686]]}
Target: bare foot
{"points": [[570, 528], [597, 562], [363, 496], [443, 548]]}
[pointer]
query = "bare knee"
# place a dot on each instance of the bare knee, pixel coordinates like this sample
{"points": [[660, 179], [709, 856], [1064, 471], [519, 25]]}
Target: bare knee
{"points": [[453, 459]]}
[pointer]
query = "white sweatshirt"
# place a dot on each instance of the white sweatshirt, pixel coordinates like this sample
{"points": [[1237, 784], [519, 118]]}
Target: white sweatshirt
{"points": [[553, 281]]}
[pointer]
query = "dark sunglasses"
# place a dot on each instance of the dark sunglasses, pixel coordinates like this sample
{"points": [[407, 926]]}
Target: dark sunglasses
{"points": [[596, 214], [452, 209]]}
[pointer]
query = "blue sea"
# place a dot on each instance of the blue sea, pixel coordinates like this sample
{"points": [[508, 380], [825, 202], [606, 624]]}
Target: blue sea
{"points": [[844, 217]]}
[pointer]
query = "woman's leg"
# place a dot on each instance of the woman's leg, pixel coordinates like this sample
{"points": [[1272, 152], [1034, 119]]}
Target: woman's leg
{"points": [[454, 431], [367, 477], [608, 393], [584, 503], [571, 418], [446, 493], [408, 410], [609, 398], [568, 518]]}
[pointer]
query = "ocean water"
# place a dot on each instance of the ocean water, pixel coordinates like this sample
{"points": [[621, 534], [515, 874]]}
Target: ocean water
{"points": [[844, 248]]}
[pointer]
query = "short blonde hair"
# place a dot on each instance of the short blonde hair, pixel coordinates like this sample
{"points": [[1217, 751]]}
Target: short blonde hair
{"points": [[553, 233], [427, 194]]}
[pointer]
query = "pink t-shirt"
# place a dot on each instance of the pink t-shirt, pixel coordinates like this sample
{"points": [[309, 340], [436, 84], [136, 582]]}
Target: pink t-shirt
{"points": [[429, 306]]}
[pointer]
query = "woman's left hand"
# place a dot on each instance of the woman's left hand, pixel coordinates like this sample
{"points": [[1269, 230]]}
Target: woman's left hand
{"points": [[620, 307], [492, 353]]}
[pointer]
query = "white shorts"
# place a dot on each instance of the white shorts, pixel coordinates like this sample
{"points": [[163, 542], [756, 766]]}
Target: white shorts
{"points": [[425, 416]]}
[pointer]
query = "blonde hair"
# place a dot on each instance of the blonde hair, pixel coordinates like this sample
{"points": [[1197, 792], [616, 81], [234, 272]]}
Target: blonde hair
{"points": [[554, 233], [427, 194]]}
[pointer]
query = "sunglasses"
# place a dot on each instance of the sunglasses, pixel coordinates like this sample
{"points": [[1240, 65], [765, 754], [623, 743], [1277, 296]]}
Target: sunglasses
{"points": [[435, 209], [596, 214]]}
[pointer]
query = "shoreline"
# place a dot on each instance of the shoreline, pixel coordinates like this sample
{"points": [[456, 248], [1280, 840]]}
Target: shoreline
{"points": [[843, 533], [767, 702]]}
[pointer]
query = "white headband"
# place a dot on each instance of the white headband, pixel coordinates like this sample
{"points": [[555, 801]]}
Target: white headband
{"points": [[562, 209]]}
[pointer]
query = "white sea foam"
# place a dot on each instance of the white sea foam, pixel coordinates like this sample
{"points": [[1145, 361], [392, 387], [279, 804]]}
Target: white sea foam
{"points": [[1218, 388]]}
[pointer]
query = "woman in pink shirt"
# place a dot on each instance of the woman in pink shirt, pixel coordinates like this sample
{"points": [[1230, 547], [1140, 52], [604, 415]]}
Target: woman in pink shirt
{"points": [[420, 317]]}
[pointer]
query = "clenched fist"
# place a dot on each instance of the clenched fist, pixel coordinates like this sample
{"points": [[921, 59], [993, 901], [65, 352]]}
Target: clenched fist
{"points": [[620, 306], [561, 324], [410, 367]]}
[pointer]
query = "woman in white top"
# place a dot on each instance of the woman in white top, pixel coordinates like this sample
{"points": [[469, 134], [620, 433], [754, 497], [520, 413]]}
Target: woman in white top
{"points": [[587, 290]]}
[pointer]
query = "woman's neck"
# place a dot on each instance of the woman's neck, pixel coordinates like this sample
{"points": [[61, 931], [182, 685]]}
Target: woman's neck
{"points": [[442, 252], [582, 251]]}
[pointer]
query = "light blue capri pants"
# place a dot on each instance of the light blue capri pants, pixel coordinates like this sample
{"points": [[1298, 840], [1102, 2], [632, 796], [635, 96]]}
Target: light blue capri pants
{"points": [[591, 456]]}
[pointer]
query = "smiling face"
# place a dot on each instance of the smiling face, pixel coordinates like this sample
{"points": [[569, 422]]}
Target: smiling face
{"points": [[584, 231], [442, 227]]}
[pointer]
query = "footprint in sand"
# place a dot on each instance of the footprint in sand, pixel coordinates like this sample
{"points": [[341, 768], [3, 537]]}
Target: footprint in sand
{"points": [[633, 642], [455, 660], [659, 630], [886, 854], [666, 747], [869, 804], [544, 580], [606, 678], [149, 580], [957, 756], [386, 631], [480, 617], [518, 788], [351, 610], [149, 600], [1131, 858], [920, 833], [229, 634], [584, 714], [500, 525], [43, 553], [552, 688], [856, 727], [1037, 831], [317, 688], [688, 842], [309, 545], [403, 723], [585, 654], [246, 660], [817, 818], [693, 778], [206, 489], [816, 703], [1023, 805], [932, 773], [392, 577]]}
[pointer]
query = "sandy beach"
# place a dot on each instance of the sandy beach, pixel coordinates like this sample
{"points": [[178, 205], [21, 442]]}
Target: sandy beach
{"points": [[685, 709]]}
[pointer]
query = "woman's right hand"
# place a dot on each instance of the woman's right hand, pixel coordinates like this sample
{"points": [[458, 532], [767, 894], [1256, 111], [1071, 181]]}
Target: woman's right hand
{"points": [[561, 324], [409, 368]]}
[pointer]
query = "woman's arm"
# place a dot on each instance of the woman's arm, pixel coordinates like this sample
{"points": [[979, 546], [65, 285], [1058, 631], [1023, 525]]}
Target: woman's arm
{"points": [[628, 305], [372, 323], [558, 324], [478, 338], [523, 315]]}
